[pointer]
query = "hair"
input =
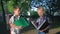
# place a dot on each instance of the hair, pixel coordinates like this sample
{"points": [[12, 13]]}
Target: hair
{"points": [[40, 8], [16, 7]]}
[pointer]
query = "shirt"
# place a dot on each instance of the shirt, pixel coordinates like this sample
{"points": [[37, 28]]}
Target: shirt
{"points": [[40, 21], [12, 21], [13, 18]]}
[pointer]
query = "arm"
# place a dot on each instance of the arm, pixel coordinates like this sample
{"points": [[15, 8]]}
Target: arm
{"points": [[12, 24], [45, 29], [49, 21]]}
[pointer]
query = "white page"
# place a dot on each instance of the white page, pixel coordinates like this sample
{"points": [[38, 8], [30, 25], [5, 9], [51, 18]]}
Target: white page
{"points": [[41, 25]]}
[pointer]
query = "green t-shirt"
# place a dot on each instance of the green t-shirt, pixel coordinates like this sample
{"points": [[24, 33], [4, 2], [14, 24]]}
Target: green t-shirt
{"points": [[21, 22]]}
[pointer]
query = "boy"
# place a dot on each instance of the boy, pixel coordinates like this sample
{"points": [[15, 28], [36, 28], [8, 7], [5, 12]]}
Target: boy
{"points": [[40, 20], [15, 29]]}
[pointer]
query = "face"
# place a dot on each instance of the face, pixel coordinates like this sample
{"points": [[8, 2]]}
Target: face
{"points": [[17, 11], [40, 12]]}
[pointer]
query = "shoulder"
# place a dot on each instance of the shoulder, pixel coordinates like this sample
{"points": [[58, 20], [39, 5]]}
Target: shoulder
{"points": [[46, 17], [12, 17]]}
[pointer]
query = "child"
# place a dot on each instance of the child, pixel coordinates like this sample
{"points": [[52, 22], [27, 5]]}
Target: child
{"points": [[15, 29], [40, 20]]}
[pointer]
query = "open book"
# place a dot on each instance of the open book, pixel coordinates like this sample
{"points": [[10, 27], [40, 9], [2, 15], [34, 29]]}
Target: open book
{"points": [[21, 22], [39, 26]]}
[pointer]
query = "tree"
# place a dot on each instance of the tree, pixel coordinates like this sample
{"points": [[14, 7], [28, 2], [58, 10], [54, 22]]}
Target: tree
{"points": [[3, 26]]}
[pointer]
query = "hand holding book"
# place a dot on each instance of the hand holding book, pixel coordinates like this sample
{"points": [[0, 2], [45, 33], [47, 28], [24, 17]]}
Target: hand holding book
{"points": [[38, 26], [21, 22]]}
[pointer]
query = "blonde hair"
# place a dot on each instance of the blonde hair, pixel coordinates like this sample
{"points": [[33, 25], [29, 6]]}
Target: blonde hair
{"points": [[40, 7]]}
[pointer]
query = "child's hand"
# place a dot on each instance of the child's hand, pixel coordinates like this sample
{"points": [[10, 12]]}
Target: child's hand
{"points": [[32, 22], [20, 27], [16, 26], [41, 30]]}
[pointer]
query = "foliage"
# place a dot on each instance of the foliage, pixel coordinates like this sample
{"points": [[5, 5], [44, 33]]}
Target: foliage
{"points": [[24, 4], [10, 6], [34, 14]]}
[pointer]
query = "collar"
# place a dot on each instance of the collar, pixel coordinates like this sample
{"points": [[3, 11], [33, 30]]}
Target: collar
{"points": [[15, 15]]}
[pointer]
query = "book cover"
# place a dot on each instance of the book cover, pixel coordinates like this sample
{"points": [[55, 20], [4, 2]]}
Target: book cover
{"points": [[21, 22]]}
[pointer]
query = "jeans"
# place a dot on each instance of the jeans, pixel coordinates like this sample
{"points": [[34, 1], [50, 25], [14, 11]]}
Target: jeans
{"points": [[38, 32]]}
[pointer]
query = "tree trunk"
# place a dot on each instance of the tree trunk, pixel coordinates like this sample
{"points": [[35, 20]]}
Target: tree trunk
{"points": [[3, 29]]}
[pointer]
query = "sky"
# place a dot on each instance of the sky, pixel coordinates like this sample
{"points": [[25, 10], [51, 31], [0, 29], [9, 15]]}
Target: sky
{"points": [[36, 3]]}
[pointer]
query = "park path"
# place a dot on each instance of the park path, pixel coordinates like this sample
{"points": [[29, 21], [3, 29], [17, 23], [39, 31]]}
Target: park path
{"points": [[52, 31]]}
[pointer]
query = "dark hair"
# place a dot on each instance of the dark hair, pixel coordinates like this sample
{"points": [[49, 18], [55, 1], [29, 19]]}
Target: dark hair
{"points": [[39, 7]]}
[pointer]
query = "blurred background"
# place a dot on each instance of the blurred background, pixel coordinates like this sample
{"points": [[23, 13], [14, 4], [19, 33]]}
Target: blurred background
{"points": [[29, 11]]}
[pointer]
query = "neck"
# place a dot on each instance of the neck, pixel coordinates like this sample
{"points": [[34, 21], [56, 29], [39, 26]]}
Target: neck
{"points": [[41, 16], [16, 15]]}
